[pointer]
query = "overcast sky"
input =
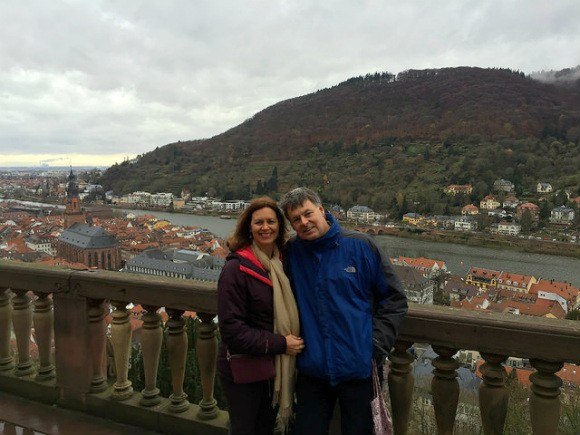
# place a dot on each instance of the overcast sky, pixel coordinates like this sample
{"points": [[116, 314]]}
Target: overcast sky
{"points": [[89, 82]]}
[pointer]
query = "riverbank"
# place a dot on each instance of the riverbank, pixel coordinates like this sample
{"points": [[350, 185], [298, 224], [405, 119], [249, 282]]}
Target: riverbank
{"points": [[484, 240], [490, 241]]}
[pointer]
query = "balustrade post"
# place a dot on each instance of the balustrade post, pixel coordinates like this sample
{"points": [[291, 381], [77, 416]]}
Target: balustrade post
{"points": [[6, 360], [121, 338], [401, 384], [43, 317], [177, 351], [22, 323], [151, 339], [545, 400], [493, 394], [206, 349], [445, 389], [97, 344]]}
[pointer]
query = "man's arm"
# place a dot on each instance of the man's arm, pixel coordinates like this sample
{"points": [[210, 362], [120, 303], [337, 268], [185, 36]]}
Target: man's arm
{"points": [[389, 306]]}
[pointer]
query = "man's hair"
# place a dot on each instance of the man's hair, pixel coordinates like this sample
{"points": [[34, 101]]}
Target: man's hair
{"points": [[297, 197]]}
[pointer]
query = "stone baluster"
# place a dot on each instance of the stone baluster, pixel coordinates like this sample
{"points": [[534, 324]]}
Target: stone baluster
{"points": [[445, 389], [43, 318], [97, 344], [22, 323], [493, 394], [545, 400], [177, 351], [401, 383], [206, 348], [151, 339], [6, 360], [121, 338]]}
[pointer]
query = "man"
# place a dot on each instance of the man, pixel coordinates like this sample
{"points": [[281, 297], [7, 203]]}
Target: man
{"points": [[350, 303]]}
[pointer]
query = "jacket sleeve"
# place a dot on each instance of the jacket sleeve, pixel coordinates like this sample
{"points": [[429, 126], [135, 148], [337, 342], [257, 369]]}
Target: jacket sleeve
{"points": [[233, 305], [389, 306]]}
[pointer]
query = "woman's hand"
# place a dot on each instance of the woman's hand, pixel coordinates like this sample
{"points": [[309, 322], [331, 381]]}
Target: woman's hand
{"points": [[294, 345]]}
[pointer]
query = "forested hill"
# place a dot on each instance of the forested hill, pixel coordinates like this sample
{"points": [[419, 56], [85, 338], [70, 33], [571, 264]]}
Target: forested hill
{"points": [[370, 137]]}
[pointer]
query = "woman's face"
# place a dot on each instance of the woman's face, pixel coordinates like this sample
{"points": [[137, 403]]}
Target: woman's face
{"points": [[265, 228]]}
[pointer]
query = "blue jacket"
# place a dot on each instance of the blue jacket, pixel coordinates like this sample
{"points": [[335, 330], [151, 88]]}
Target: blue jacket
{"points": [[350, 303]]}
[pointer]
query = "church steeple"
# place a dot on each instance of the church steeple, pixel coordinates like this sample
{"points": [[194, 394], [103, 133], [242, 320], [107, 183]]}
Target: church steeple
{"points": [[73, 213], [72, 188]]}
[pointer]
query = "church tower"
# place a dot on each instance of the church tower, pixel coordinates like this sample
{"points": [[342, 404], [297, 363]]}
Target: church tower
{"points": [[73, 213]]}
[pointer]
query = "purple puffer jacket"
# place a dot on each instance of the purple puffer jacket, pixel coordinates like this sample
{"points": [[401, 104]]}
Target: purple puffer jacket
{"points": [[246, 310]]}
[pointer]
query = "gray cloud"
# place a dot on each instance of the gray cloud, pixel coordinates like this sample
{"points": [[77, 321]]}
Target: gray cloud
{"points": [[124, 77]]}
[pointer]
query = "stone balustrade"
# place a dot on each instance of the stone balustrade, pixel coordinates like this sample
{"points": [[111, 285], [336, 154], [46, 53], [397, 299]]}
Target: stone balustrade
{"points": [[69, 308]]}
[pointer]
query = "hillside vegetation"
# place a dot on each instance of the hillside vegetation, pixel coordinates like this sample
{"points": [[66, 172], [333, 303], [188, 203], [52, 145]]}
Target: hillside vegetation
{"points": [[381, 139]]}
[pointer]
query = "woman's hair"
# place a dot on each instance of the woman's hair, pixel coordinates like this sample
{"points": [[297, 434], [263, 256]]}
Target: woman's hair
{"points": [[242, 235]]}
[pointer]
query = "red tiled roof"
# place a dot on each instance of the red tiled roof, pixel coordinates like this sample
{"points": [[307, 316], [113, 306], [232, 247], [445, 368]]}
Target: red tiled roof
{"points": [[563, 289]]}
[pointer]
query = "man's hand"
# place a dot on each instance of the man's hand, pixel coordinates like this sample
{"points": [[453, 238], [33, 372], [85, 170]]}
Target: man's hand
{"points": [[294, 345]]}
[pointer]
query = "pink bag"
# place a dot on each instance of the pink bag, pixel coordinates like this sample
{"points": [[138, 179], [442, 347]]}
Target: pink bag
{"points": [[251, 368], [382, 422]]}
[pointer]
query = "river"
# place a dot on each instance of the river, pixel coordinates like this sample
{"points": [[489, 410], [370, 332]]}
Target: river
{"points": [[458, 258]]}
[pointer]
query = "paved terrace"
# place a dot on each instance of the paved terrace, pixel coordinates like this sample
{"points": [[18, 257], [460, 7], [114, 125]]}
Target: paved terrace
{"points": [[69, 308]]}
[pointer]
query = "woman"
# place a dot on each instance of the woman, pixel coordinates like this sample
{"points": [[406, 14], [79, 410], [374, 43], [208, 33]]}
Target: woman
{"points": [[257, 318]]}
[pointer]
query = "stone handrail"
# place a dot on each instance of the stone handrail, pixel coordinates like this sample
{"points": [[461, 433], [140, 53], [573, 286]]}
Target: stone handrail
{"points": [[79, 300]]}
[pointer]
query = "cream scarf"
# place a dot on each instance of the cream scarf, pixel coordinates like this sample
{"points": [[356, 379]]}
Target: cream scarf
{"points": [[286, 322]]}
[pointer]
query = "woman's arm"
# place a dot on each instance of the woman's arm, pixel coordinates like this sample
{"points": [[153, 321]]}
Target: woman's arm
{"points": [[233, 305]]}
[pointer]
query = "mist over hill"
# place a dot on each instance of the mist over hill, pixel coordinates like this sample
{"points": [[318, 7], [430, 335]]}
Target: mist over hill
{"points": [[374, 139]]}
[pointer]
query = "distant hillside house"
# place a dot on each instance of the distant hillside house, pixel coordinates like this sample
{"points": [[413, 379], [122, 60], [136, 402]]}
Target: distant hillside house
{"points": [[469, 209], [362, 213], [417, 288], [543, 187], [508, 228], [92, 246], [465, 223], [511, 201], [562, 215], [489, 203], [412, 218], [442, 221], [515, 282], [182, 263], [533, 208], [455, 189], [502, 185], [483, 278]]}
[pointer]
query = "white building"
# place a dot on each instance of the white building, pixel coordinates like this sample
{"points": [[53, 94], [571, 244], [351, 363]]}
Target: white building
{"points": [[161, 199], [542, 187], [509, 228], [562, 215], [139, 198], [465, 223], [362, 213]]}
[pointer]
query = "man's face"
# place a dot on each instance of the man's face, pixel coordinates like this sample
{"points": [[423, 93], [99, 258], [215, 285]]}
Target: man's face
{"points": [[308, 221]]}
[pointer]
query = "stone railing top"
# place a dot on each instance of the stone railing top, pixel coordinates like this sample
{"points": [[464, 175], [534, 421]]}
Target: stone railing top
{"points": [[188, 295], [496, 333], [503, 334]]}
